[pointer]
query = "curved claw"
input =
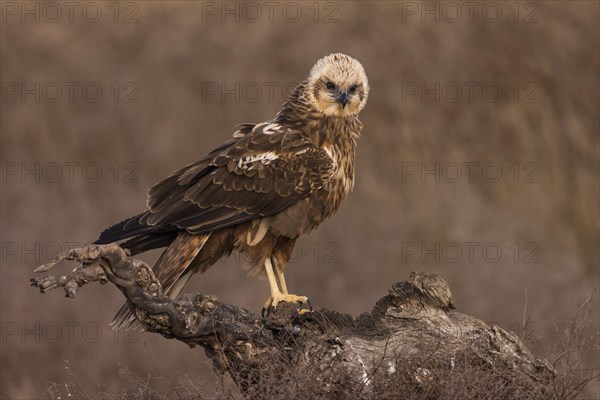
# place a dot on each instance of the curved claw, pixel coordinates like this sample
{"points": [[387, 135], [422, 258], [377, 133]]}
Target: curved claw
{"points": [[272, 302], [304, 310]]}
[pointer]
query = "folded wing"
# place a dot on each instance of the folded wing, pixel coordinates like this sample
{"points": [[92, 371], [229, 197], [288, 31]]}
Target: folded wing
{"points": [[262, 171]]}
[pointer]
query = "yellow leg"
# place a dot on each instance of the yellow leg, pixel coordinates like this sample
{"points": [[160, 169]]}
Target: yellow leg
{"points": [[276, 295], [271, 277], [281, 280]]}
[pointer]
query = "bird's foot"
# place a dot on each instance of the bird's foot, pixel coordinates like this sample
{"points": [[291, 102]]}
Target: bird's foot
{"points": [[273, 301]]}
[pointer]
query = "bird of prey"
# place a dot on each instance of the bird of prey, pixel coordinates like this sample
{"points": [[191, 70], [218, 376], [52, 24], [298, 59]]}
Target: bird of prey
{"points": [[258, 192]]}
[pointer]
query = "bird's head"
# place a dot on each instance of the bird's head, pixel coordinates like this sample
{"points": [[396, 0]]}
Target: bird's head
{"points": [[338, 86]]}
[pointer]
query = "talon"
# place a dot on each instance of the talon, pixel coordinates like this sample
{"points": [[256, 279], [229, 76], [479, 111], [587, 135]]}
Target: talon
{"points": [[303, 311], [273, 302], [279, 291]]}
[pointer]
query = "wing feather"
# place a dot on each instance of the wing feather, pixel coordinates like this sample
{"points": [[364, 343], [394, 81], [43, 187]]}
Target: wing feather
{"points": [[263, 170]]}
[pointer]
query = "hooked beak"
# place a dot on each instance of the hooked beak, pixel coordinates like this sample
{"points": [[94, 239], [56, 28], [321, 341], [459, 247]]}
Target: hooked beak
{"points": [[342, 98]]}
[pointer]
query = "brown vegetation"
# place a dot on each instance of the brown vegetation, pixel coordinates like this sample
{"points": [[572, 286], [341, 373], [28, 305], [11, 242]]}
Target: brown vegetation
{"points": [[344, 265]]}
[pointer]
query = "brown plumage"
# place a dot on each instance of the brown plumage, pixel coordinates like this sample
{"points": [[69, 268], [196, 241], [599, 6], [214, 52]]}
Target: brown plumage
{"points": [[258, 192]]}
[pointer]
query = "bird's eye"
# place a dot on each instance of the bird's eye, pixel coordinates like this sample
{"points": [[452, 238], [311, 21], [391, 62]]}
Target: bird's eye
{"points": [[330, 86], [353, 89]]}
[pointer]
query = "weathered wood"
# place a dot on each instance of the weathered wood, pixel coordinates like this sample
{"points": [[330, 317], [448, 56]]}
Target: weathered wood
{"points": [[413, 331]]}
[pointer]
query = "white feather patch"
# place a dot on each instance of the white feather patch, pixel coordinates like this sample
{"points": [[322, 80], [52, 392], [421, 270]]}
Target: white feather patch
{"points": [[329, 152], [255, 235], [264, 158], [271, 128]]}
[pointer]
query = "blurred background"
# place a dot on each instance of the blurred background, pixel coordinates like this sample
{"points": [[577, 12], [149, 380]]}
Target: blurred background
{"points": [[479, 161]]}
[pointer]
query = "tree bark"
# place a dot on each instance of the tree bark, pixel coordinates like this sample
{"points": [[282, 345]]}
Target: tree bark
{"points": [[411, 334]]}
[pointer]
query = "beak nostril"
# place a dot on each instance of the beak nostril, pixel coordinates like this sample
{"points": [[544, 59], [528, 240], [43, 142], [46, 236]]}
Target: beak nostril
{"points": [[343, 99]]}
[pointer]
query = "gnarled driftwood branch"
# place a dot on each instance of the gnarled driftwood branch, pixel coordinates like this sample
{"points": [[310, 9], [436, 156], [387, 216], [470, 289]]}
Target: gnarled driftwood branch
{"points": [[411, 338]]}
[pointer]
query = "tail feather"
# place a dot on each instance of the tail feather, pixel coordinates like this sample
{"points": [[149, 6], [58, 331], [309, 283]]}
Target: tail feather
{"points": [[171, 270], [131, 227], [125, 320], [142, 243], [117, 231]]}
